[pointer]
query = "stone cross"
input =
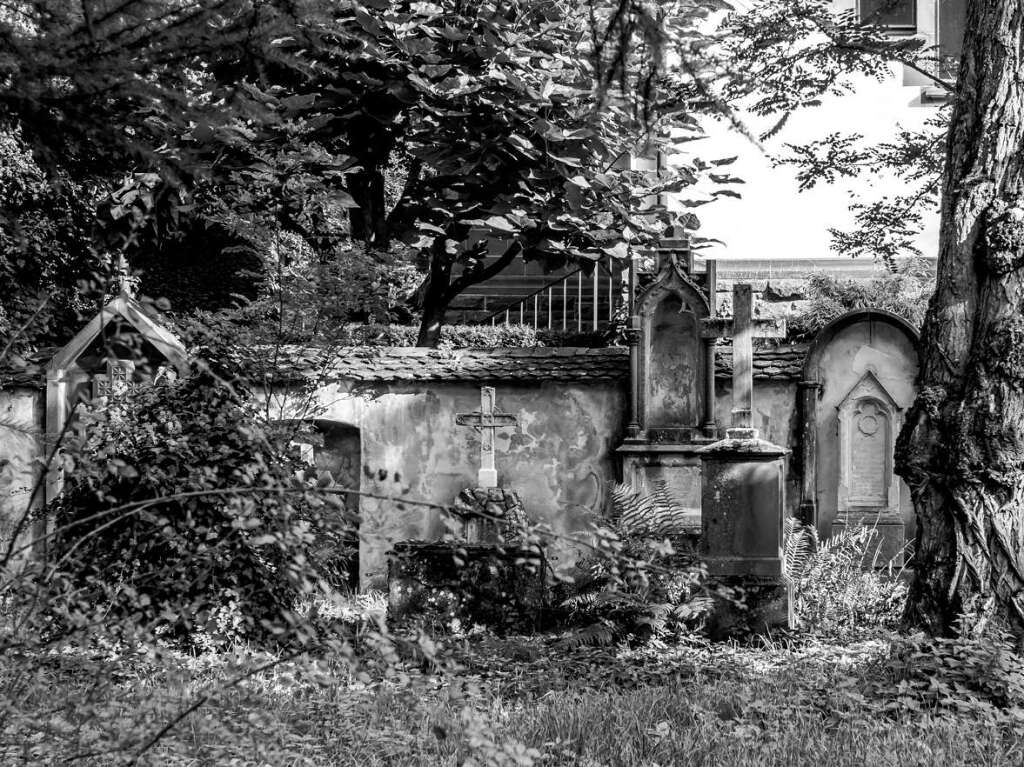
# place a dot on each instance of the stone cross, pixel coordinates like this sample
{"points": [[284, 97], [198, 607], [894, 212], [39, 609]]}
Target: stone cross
{"points": [[743, 328], [486, 420]]}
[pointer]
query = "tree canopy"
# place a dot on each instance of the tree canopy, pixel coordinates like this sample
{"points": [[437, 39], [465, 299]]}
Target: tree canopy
{"points": [[440, 129]]}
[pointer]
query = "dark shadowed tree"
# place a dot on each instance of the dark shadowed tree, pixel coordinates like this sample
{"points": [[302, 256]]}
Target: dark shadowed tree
{"points": [[506, 123]]}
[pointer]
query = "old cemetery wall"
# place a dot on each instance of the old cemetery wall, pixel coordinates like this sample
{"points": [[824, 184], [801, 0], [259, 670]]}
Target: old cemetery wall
{"points": [[569, 407]]}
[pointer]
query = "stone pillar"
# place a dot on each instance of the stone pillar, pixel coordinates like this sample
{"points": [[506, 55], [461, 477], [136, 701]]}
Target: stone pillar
{"points": [[809, 393], [709, 425], [633, 335], [742, 507]]}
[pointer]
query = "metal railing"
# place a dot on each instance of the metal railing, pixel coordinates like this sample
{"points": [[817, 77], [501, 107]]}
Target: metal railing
{"points": [[576, 301]]}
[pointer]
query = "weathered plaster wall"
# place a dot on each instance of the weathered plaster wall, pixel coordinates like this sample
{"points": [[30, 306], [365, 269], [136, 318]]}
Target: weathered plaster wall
{"points": [[559, 457], [21, 429], [885, 350]]}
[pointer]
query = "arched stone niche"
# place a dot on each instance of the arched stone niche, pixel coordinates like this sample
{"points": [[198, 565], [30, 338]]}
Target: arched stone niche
{"points": [[333, 452], [858, 382], [673, 358], [672, 388]]}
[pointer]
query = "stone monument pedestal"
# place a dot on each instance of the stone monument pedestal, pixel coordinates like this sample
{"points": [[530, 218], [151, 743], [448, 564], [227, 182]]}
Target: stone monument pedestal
{"points": [[443, 584], [489, 514], [742, 507]]}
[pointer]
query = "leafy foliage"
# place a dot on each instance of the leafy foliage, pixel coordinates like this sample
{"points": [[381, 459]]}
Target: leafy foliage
{"points": [[789, 55], [655, 514], [905, 292], [48, 266], [469, 336], [183, 515], [634, 586], [453, 128], [840, 590], [977, 675]]}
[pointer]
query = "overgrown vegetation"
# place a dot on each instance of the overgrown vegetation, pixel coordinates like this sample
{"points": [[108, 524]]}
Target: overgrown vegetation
{"points": [[523, 703], [185, 517], [634, 586], [843, 588], [904, 291]]}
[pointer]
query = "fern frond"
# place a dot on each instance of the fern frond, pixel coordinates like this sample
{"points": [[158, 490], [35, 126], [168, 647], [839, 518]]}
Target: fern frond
{"points": [[655, 514], [797, 550], [597, 634]]}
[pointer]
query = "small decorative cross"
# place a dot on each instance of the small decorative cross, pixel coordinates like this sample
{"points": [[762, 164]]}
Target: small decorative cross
{"points": [[486, 420], [117, 381], [743, 328]]}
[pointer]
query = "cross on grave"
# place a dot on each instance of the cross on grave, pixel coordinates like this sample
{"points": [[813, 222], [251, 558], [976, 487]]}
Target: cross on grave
{"points": [[743, 328], [486, 420]]}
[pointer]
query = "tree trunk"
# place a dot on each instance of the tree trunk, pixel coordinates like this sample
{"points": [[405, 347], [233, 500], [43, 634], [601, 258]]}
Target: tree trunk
{"points": [[435, 296], [962, 449], [369, 222], [439, 289]]}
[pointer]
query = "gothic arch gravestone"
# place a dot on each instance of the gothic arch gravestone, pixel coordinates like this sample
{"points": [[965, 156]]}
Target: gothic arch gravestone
{"points": [[671, 384], [858, 382]]}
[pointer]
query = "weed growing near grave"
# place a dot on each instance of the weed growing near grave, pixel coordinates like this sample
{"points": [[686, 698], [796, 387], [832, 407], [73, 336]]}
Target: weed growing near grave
{"points": [[839, 589], [635, 586], [904, 292], [150, 535]]}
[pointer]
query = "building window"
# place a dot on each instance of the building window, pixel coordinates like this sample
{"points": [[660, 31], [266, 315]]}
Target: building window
{"points": [[952, 20], [896, 15]]}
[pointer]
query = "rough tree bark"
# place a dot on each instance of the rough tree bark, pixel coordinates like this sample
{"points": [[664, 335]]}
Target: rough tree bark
{"points": [[962, 449]]}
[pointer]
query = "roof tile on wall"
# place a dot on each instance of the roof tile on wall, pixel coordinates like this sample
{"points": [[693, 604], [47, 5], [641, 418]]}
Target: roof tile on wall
{"points": [[774, 363], [512, 364], [526, 364]]}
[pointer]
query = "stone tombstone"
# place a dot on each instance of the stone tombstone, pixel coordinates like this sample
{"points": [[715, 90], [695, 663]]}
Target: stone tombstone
{"points": [[869, 420], [673, 357], [743, 502], [743, 496], [489, 515], [333, 451], [674, 376], [671, 382], [858, 383]]}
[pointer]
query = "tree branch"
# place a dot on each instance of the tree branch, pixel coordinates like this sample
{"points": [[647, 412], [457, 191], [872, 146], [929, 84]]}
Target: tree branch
{"points": [[475, 276]]}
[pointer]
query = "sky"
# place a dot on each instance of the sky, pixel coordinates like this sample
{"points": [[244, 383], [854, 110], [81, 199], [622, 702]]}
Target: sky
{"points": [[773, 219]]}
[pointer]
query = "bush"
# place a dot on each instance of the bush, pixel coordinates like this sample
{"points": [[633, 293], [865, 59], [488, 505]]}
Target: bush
{"points": [[470, 336], [838, 590], [184, 515], [961, 675], [905, 292], [635, 586]]}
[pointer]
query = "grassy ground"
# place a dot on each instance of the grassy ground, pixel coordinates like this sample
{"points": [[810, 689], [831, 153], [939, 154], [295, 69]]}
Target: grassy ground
{"points": [[515, 702]]}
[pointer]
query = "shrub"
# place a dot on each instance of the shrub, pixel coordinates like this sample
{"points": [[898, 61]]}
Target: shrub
{"points": [[963, 675], [470, 336], [635, 586], [184, 515], [905, 292], [838, 589]]}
